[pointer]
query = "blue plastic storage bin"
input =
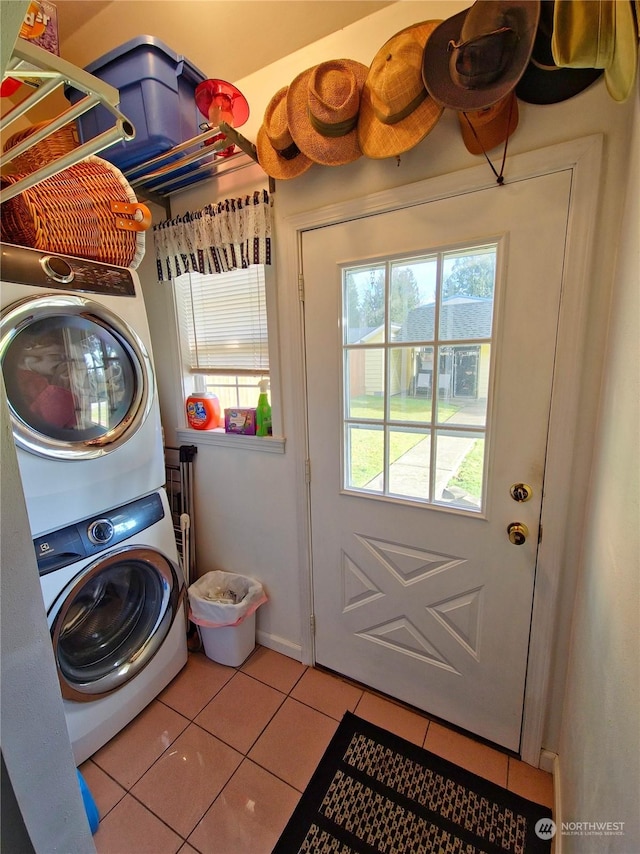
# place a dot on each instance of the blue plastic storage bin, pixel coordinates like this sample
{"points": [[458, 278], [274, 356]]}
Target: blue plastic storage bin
{"points": [[156, 88]]}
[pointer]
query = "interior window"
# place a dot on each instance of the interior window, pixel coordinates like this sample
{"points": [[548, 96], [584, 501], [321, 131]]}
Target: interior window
{"points": [[417, 345], [224, 336]]}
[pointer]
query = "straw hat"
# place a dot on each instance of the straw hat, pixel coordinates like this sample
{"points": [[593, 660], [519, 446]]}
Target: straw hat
{"points": [[322, 110], [543, 82], [475, 58], [484, 129], [396, 111], [278, 154], [598, 34]]}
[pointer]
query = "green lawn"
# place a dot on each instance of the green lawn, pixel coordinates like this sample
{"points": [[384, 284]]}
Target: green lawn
{"points": [[402, 408], [469, 475], [367, 445]]}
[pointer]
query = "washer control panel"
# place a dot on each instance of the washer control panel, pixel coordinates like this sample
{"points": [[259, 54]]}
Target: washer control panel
{"points": [[26, 266], [91, 536]]}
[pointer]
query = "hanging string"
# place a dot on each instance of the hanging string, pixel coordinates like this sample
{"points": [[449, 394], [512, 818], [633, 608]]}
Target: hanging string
{"points": [[499, 176]]}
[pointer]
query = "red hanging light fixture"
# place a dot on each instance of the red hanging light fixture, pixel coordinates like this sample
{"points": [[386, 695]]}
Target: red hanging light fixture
{"points": [[219, 101]]}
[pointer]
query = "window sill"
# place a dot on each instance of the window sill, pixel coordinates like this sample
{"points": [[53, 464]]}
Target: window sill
{"points": [[265, 444]]}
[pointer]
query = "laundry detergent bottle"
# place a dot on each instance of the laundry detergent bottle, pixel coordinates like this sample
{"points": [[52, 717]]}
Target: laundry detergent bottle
{"points": [[263, 411], [203, 411]]}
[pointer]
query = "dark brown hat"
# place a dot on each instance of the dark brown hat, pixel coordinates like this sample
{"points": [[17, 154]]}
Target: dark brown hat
{"points": [[475, 58]]}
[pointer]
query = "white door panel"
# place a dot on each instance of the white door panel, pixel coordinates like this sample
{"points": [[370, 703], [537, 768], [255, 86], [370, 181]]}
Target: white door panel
{"points": [[426, 603]]}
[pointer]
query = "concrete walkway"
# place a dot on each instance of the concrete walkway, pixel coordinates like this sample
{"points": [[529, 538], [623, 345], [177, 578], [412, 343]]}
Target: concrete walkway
{"points": [[409, 474]]}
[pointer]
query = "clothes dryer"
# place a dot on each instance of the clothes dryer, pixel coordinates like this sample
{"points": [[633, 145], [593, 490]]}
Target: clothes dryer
{"points": [[115, 598], [77, 365]]}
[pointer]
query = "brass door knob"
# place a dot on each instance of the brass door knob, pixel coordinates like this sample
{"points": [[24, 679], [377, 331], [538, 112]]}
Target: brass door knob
{"points": [[521, 492], [518, 533]]}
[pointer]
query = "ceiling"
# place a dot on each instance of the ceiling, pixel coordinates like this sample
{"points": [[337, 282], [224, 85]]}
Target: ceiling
{"points": [[228, 39]]}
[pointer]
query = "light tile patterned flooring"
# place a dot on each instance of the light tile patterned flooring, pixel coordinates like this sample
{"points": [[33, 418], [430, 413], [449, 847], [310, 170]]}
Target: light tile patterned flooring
{"points": [[217, 763]]}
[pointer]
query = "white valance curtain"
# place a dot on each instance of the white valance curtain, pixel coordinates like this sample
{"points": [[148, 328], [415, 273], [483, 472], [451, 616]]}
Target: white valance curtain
{"points": [[230, 235]]}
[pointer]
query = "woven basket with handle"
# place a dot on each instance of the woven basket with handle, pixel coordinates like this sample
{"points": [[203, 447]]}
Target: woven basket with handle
{"points": [[88, 210], [60, 142]]}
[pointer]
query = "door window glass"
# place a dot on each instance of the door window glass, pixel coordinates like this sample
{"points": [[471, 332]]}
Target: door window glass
{"points": [[69, 378], [417, 335]]}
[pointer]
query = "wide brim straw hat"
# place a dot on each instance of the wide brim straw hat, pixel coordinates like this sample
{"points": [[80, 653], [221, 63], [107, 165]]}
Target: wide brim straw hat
{"points": [[476, 57], [485, 129], [323, 104], [544, 82], [278, 154], [598, 34], [396, 111]]}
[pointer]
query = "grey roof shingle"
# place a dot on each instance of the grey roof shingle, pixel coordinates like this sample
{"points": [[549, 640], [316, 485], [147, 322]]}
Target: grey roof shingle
{"points": [[460, 319]]}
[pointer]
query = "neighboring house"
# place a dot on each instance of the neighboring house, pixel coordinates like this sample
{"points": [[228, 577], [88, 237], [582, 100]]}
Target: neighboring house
{"points": [[366, 365], [463, 367]]}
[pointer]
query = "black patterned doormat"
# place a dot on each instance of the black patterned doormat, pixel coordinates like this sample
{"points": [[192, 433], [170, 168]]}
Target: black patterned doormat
{"points": [[376, 793]]}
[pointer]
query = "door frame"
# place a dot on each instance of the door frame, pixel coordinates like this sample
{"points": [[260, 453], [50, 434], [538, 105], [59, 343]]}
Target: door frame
{"points": [[584, 158]]}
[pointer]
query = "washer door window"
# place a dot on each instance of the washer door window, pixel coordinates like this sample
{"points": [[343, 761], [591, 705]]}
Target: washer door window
{"points": [[79, 380], [112, 621]]}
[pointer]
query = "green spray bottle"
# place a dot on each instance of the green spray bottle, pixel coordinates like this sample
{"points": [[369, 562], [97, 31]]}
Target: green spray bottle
{"points": [[263, 411]]}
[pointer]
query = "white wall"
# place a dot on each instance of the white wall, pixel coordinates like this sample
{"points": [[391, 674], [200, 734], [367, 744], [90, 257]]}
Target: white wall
{"points": [[225, 512], [599, 752]]}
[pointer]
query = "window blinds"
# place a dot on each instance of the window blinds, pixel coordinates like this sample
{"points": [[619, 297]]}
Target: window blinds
{"points": [[223, 320]]}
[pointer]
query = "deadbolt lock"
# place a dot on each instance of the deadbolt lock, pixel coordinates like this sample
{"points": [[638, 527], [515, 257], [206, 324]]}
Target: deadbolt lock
{"points": [[521, 492], [518, 533]]}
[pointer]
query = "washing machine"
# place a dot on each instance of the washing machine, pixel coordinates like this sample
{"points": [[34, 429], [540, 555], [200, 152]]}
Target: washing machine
{"points": [[115, 599], [77, 365]]}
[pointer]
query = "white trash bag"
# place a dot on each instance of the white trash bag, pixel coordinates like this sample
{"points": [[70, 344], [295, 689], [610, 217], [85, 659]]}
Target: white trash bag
{"points": [[224, 599]]}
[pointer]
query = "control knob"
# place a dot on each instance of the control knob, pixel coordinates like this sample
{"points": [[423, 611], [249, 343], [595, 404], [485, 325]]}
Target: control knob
{"points": [[100, 532]]}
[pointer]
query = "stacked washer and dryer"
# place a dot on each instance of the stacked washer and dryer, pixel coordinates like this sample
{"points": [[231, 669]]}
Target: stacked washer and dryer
{"points": [[77, 365]]}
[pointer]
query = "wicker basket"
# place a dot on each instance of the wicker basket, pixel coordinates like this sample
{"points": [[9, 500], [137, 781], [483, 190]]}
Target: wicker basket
{"points": [[60, 142], [73, 213]]}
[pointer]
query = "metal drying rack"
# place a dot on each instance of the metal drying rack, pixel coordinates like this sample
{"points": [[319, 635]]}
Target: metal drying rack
{"points": [[179, 487], [156, 179], [182, 167], [46, 72]]}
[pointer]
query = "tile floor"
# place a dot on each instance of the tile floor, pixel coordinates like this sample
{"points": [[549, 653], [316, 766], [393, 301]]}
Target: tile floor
{"points": [[217, 763]]}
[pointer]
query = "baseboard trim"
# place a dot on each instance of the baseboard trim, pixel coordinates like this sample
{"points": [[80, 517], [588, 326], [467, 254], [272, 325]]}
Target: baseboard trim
{"points": [[278, 644]]}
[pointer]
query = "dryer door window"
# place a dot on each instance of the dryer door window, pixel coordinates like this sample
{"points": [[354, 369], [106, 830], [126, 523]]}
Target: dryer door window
{"points": [[78, 380], [112, 620]]}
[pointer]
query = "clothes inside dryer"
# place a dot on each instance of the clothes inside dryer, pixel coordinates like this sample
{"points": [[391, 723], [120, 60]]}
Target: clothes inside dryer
{"points": [[74, 380], [68, 378]]}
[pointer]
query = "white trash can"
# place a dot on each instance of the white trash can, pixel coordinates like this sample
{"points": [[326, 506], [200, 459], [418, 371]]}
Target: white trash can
{"points": [[223, 605]]}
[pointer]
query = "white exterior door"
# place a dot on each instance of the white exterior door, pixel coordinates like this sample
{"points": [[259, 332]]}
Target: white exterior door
{"points": [[430, 336]]}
